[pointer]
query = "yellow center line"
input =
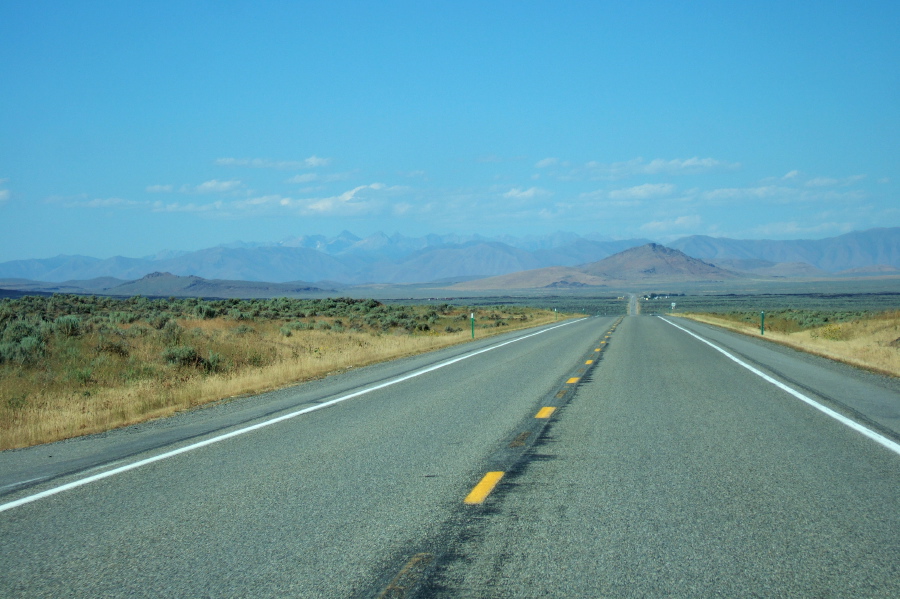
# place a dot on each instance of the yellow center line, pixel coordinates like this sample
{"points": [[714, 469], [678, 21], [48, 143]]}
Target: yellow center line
{"points": [[545, 412], [484, 488], [589, 362], [572, 380]]}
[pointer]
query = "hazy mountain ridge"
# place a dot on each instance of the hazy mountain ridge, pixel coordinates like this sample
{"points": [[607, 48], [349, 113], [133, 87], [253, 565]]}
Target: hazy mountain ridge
{"points": [[851, 250], [397, 259]]}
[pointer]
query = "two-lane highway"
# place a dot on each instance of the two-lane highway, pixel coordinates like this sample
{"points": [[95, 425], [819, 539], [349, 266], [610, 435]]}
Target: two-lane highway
{"points": [[677, 472], [590, 459], [324, 504]]}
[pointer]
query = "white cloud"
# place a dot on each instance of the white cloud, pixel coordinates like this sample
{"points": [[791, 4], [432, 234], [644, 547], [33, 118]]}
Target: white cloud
{"points": [[315, 161], [832, 182], [304, 178], [310, 177], [526, 194], [791, 175], [681, 223], [213, 186], [690, 165], [630, 168], [104, 203], [745, 193], [311, 162], [356, 201], [658, 166], [642, 192], [191, 207], [160, 188], [4, 195], [822, 182]]}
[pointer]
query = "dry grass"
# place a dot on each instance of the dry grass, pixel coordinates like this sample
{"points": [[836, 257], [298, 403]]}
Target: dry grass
{"points": [[872, 343], [93, 384]]}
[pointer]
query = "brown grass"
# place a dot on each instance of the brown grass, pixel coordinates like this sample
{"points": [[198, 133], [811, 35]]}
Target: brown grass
{"points": [[872, 343], [94, 384]]}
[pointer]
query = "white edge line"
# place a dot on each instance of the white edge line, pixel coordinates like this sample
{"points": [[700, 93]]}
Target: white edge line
{"points": [[893, 446], [84, 481]]}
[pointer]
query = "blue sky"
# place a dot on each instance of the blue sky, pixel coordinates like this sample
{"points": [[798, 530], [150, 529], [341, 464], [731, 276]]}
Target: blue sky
{"points": [[131, 127]]}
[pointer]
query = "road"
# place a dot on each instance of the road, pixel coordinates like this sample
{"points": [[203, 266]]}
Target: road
{"points": [[665, 468]]}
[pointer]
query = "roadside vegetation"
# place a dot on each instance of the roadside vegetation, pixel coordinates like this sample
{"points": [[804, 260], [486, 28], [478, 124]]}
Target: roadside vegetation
{"points": [[867, 339], [73, 365]]}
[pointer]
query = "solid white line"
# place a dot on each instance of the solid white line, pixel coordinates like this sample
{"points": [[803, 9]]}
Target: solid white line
{"points": [[893, 446], [259, 425]]}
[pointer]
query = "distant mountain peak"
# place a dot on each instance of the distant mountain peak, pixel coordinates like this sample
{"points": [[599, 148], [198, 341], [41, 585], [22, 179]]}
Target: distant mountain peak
{"points": [[655, 261]]}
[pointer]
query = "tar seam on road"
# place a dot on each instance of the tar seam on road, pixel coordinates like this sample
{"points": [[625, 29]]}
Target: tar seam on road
{"points": [[884, 441], [83, 481], [408, 577]]}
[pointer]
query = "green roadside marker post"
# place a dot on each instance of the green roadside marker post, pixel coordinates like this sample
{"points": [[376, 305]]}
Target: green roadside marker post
{"points": [[473, 325], [762, 323], [556, 314]]}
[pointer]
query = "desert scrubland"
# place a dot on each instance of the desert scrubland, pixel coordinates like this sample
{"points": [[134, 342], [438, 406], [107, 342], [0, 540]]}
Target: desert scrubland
{"points": [[862, 339], [73, 365]]}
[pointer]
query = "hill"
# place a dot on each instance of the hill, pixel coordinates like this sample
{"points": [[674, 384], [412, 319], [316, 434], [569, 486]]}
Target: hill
{"points": [[650, 262]]}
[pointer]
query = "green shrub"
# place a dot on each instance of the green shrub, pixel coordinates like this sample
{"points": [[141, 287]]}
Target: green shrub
{"points": [[236, 314], [117, 348], [171, 333], [69, 325], [205, 311], [158, 321], [82, 376], [182, 355], [122, 317], [19, 329], [25, 351], [214, 363]]}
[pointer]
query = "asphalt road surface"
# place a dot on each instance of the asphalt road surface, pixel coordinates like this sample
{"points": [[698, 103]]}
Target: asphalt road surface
{"points": [[593, 458]]}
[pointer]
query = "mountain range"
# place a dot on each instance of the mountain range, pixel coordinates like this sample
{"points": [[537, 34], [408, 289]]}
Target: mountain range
{"points": [[346, 259]]}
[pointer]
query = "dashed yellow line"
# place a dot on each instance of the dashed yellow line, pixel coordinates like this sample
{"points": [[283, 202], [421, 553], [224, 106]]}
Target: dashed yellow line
{"points": [[545, 412], [589, 362], [480, 492], [573, 380]]}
